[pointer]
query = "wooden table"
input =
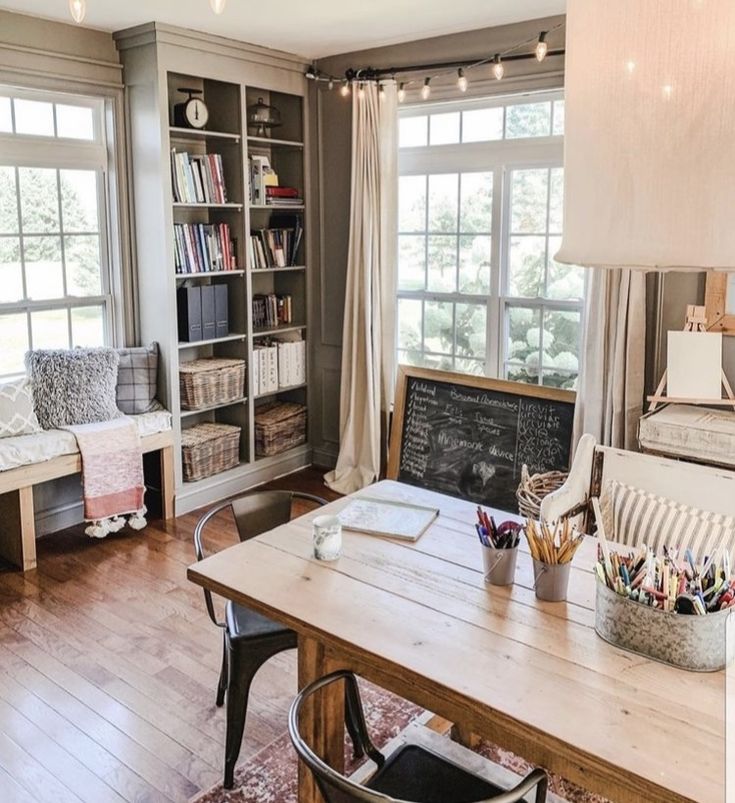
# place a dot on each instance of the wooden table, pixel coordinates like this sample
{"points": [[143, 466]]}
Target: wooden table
{"points": [[531, 676]]}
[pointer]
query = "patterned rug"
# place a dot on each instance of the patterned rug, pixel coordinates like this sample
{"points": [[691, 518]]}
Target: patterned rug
{"points": [[270, 776]]}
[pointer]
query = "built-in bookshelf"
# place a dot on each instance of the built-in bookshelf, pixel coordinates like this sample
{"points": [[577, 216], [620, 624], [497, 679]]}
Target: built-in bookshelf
{"points": [[198, 224]]}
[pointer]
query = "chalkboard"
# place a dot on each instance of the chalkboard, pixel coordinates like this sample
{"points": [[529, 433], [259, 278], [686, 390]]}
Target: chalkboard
{"points": [[469, 436]]}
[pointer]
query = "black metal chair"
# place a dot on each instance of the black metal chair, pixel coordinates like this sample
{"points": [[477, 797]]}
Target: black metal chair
{"points": [[250, 639], [411, 774]]}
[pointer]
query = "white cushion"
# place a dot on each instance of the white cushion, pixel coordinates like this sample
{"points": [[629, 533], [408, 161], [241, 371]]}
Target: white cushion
{"points": [[16, 409], [23, 450]]}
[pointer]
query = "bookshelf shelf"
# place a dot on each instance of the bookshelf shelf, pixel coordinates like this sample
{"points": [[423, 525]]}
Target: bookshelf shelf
{"points": [[189, 413], [282, 390], [284, 269], [194, 344], [279, 207], [204, 274], [268, 142], [278, 330], [175, 132], [181, 205]]}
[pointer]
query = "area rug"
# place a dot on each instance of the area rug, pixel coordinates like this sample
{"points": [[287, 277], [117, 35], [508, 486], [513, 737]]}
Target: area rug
{"points": [[271, 775]]}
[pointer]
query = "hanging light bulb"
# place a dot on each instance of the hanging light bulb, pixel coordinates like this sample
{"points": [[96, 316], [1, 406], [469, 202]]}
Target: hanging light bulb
{"points": [[330, 85], [498, 68], [218, 6], [78, 8], [344, 90], [381, 93], [361, 90], [426, 89], [541, 47], [461, 80], [401, 94]]}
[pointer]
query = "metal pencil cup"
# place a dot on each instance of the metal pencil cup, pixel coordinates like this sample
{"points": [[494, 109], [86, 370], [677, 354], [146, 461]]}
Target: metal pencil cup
{"points": [[551, 580], [499, 565]]}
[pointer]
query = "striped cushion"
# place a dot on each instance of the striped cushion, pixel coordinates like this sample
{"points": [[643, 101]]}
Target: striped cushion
{"points": [[639, 517]]}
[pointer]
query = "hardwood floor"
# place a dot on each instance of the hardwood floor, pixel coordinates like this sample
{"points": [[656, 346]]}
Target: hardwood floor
{"points": [[109, 665]]}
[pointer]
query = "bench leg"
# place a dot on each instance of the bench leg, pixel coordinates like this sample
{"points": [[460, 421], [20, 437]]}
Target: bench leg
{"points": [[167, 483], [18, 528]]}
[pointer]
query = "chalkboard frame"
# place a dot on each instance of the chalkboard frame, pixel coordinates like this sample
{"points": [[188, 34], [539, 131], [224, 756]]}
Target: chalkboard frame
{"points": [[460, 380]]}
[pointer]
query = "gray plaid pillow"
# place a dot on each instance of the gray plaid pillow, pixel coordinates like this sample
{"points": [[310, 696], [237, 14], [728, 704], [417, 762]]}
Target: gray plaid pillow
{"points": [[137, 376]]}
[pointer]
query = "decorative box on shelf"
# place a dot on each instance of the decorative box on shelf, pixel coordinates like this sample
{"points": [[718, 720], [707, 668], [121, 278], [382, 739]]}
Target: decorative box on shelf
{"points": [[208, 449], [279, 426], [211, 381]]}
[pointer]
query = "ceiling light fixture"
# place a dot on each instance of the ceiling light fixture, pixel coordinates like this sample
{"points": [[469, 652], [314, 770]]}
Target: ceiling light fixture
{"points": [[461, 80], [541, 47], [218, 6], [78, 8], [498, 68]]}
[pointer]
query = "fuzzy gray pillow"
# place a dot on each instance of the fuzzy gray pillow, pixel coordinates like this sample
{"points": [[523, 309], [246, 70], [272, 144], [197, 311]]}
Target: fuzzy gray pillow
{"points": [[137, 376], [73, 386]]}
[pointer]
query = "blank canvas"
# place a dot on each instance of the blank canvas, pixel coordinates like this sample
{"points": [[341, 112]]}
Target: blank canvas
{"points": [[694, 365]]}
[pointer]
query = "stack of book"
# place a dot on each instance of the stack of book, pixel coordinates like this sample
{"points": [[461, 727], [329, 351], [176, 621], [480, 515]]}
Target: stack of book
{"points": [[283, 196], [203, 247], [271, 310], [198, 178], [275, 248], [277, 365]]}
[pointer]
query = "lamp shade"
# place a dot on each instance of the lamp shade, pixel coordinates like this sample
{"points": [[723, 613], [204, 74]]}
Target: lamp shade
{"points": [[649, 141]]}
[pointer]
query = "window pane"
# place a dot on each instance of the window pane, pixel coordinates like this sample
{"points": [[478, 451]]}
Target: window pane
{"points": [[8, 201], [442, 263], [411, 358], [39, 200], [556, 200], [34, 117], [44, 273], [475, 257], [558, 118], [526, 266], [528, 120], [565, 282], [412, 131], [83, 270], [476, 203], [479, 125], [561, 348], [410, 323], [75, 122], [476, 367], [50, 329], [439, 327], [522, 351], [529, 198], [14, 337], [11, 277], [412, 203], [411, 262], [444, 128], [443, 201], [88, 326], [471, 329], [6, 119], [79, 200]]}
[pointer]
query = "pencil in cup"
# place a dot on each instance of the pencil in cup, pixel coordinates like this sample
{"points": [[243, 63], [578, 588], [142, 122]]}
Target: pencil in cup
{"points": [[552, 550]]}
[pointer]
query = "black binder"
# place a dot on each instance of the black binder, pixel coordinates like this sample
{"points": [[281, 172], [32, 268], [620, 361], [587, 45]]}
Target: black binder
{"points": [[189, 312]]}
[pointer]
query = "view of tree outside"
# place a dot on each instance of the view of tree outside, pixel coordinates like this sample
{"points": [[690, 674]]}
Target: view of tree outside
{"points": [[445, 253]]}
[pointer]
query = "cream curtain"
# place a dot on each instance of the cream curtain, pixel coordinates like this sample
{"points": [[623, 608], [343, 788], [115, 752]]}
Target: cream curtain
{"points": [[367, 343], [612, 376]]}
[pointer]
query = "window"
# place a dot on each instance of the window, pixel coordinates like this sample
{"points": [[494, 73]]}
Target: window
{"points": [[480, 219], [54, 263]]}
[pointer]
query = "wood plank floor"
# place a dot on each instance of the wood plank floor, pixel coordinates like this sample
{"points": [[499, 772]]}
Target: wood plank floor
{"points": [[109, 665]]}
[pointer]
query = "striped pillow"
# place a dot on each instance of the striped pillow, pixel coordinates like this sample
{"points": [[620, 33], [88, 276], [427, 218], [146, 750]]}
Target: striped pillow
{"points": [[639, 517]]}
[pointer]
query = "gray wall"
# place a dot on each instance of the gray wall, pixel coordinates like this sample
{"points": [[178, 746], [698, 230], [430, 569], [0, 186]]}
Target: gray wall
{"points": [[334, 122]]}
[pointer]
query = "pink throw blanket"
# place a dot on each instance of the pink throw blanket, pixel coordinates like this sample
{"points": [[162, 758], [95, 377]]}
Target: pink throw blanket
{"points": [[112, 468]]}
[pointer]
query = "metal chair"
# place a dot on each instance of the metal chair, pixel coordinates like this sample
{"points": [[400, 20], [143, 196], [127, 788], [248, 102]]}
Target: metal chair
{"points": [[412, 773], [250, 639]]}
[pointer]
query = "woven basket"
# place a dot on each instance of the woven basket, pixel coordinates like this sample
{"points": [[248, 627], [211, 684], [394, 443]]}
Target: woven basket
{"points": [[211, 381], [207, 449], [279, 426], [534, 488]]}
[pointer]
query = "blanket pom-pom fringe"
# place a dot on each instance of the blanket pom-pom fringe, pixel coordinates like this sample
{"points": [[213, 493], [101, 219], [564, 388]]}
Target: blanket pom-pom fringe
{"points": [[138, 521], [98, 529]]}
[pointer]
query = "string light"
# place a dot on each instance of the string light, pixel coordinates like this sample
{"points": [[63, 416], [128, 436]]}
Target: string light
{"points": [[401, 94], [344, 90], [541, 47], [361, 90], [426, 89], [498, 68], [218, 6], [381, 93], [330, 85], [461, 80], [630, 66], [77, 9]]}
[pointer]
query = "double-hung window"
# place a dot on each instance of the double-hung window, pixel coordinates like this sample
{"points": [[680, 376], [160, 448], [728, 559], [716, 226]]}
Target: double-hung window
{"points": [[480, 219], [55, 275]]}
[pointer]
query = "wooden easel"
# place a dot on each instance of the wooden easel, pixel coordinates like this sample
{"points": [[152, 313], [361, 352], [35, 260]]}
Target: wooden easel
{"points": [[696, 321]]}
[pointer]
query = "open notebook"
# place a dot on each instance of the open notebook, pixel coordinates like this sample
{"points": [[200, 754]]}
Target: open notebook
{"points": [[387, 518]]}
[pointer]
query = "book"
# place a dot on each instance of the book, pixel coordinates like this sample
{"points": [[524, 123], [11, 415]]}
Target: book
{"points": [[387, 518], [197, 178], [203, 247]]}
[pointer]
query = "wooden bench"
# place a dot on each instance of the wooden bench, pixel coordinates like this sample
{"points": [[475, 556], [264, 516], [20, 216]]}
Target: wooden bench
{"points": [[17, 519]]}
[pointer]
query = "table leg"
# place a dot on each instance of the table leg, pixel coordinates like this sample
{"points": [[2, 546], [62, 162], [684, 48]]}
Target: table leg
{"points": [[322, 718]]}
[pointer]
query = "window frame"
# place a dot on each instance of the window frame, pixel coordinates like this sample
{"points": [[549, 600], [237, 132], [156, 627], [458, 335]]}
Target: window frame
{"points": [[499, 157]]}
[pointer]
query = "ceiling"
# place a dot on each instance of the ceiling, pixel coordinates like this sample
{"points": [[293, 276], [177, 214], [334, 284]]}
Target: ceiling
{"points": [[313, 29]]}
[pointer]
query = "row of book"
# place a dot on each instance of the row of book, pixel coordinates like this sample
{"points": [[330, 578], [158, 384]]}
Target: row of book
{"points": [[278, 364], [198, 178], [283, 196], [275, 248], [203, 247], [271, 310]]}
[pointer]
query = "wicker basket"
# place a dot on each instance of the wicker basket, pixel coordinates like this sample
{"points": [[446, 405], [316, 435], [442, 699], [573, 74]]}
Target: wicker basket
{"points": [[211, 381], [534, 488], [207, 449], [279, 426]]}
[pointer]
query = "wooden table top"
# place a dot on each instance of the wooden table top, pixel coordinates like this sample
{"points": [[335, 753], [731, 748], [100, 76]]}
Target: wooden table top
{"points": [[539, 668]]}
